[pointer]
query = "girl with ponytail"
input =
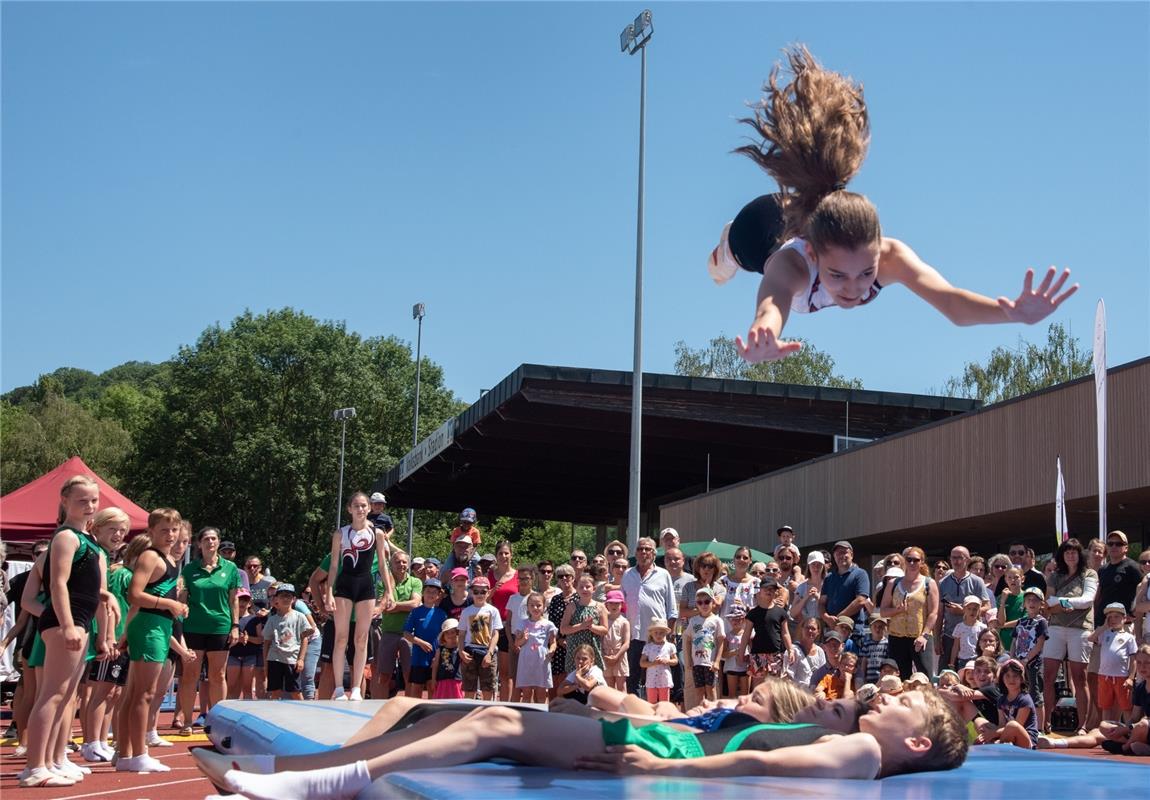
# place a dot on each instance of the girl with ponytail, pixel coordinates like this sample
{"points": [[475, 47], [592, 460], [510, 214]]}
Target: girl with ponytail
{"points": [[817, 244]]}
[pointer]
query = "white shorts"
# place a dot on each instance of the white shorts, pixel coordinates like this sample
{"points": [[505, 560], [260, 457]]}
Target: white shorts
{"points": [[1068, 644]]}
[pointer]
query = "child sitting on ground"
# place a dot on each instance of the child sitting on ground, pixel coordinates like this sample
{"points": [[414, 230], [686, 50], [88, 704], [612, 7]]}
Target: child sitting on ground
{"points": [[585, 677]]}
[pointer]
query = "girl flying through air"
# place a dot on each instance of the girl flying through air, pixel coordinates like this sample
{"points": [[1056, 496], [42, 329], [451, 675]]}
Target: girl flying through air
{"points": [[818, 244]]}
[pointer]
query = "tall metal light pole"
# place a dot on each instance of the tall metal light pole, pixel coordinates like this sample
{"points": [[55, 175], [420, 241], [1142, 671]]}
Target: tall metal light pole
{"points": [[633, 40], [341, 415], [417, 312]]}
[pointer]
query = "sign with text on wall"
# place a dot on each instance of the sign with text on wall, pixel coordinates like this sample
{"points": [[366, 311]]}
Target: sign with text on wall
{"points": [[427, 449]]}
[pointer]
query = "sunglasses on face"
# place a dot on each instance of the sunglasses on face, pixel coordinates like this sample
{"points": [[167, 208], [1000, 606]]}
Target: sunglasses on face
{"points": [[614, 552], [914, 560], [1115, 544], [1145, 563], [999, 566], [645, 549], [704, 601], [546, 572], [1017, 553], [578, 558], [566, 577], [479, 591]]}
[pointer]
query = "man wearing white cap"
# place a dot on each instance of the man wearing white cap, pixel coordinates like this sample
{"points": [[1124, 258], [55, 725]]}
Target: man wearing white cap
{"points": [[462, 555]]}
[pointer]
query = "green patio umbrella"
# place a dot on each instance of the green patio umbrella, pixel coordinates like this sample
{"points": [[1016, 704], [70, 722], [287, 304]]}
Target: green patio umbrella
{"points": [[723, 551]]}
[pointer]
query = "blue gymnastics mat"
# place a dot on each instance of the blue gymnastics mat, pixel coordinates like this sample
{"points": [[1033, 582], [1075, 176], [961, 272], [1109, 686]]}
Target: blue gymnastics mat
{"points": [[992, 771]]}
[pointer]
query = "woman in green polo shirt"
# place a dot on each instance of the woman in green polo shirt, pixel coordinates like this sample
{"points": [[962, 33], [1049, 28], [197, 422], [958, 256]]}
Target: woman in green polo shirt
{"points": [[212, 626]]}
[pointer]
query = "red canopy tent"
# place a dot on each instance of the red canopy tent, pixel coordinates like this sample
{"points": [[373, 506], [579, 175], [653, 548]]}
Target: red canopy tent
{"points": [[29, 513]]}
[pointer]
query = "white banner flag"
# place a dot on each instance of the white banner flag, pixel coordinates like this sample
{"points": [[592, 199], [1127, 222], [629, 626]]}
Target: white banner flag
{"points": [[1100, 405], [1061, 529]]}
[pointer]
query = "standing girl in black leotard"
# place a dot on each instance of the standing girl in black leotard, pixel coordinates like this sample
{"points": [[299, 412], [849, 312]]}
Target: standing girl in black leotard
{"points": [[353, 589], [74, 579]]}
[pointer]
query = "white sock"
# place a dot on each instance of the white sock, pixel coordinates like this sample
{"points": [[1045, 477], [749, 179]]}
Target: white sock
{"points": [[331, 783]]}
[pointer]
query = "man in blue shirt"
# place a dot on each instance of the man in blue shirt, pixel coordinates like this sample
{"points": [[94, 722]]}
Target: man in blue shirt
{"points": [[845, 592]]}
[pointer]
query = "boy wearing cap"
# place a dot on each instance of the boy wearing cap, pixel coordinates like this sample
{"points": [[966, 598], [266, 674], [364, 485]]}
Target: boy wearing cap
{"points": [[481, 625], [467, 527], [1029, 637], [873, 650], [420, 631], [285, 635], [704, 640], [1115, 664], [967, 631]]}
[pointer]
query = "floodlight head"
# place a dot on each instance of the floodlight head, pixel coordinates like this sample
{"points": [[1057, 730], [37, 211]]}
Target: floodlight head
{"points": [[417, 311], [343, 414], [641, 24], [626, 37]]}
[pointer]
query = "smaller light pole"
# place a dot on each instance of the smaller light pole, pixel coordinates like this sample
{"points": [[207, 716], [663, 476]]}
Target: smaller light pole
{"points": [[341, 415], [417, 312]]}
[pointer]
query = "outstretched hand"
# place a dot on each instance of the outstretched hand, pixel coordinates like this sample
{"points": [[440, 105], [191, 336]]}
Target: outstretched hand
{"points": [[1035, 305], [625, 759], [763, 345]]}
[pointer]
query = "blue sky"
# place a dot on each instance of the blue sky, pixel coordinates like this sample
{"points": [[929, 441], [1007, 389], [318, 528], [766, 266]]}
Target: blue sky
{"points": [[166, 166]]}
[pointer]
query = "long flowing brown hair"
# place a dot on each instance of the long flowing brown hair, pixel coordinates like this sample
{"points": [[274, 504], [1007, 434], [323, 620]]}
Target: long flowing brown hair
{"points": [[814, 135]]}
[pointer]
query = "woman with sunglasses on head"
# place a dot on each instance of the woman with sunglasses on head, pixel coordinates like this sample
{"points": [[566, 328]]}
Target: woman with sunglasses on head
{"points": [[790, 570], [1070, 620], [741, 588], [705, 568], [817, 244], [910, 603]]}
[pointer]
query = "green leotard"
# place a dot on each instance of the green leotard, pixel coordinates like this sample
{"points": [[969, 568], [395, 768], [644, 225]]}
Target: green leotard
{"points": [[667, 742], [151, 628]]}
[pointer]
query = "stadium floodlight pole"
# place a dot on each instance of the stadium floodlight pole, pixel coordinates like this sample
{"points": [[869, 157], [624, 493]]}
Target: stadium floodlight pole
{"points": [[341, 415], [417, 312], [633, 40]]}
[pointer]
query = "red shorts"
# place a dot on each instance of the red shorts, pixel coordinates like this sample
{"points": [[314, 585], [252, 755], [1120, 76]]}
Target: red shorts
{"points": [[1113, 693]]}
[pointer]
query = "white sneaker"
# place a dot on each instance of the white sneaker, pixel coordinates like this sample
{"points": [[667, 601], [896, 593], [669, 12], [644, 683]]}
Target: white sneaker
{"points": [[339, 695], [91, 752], [148, 764], [155, 740], [356, 695], [20, 752], [68, 770], [108, 751]]}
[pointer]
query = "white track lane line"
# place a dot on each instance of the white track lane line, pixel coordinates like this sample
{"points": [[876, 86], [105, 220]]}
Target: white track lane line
{"points": [[138, 789]]}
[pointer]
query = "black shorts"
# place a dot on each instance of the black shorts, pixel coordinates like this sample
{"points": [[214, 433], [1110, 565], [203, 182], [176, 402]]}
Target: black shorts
{"points": [[206, 642], [328, 643], [282, 677], [757, 232], [114, 672], [704, 676], [355, 588], [419, 675], [504, 640]]}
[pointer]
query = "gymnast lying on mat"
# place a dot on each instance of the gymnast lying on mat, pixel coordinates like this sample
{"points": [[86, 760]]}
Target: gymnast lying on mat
{"points": [[817, 244], [913, 732]]}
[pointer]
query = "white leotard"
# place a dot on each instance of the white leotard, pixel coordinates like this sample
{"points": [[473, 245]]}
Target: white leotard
{"points": [[814, 295]]}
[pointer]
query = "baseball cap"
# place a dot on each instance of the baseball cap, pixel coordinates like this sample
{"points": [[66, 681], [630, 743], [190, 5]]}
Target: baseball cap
{"points": [[242, 592], [417, 560], [888, 662], [434, 561], [843, 543], [458, 572], [1114, 608], [816, 557], [487, 557], [1117, 535], [705, 590], [882, 620], [668, 531], [838, 637], [894, 572], [1034, 590], [228, 546], [464, 540], [481, 581], [845, 620], [616, 596], [434, 583], [468, 515], [378, 497], [785, 528], [970, 598], [768, 583], [285, 588]]}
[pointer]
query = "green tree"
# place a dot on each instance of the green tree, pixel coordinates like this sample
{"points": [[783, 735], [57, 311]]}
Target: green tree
{"points": [[720, 359], [243, 438], [41, 435], [1009, 372]]}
